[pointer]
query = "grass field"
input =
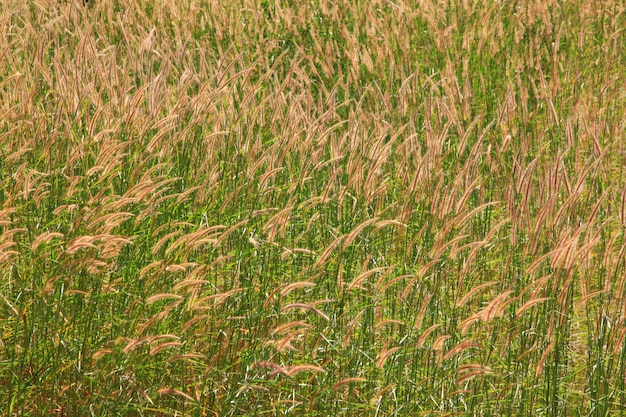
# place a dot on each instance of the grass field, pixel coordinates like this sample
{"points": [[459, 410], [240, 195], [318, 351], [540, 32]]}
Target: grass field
{"points": [[364, 208]]}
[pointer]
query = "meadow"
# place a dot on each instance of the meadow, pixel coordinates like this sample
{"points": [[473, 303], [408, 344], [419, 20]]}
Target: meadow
{"points": [[360, 208]]}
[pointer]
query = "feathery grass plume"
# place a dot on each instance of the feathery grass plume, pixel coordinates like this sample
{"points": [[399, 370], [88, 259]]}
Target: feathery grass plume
{"points": [[185, 356], [289, 325], [387, 271], [347, 381], [81, 243], [113, 246], [158, 317], [65, 207], [470, 371], [438, 248], [350, 329], [191, 239], [180, 267], [276, 369], [218, 299], [544, 357], [530, 304], [357, 282], [229, 231], [153, 339], [272, 296], [354, 233], [296, 369], [100, 353], [619, 341], [426, 333], [164, 296], [296, 285], [473, 291], [162, 346], [79, 292], [192, 321], [134, 343], [461, 347], [391, 282], [420, 274], [157, 247], [294, 251], [6, 254], [422, 311], [110, 221], [465, 325], [284, 344], [190, 282], [323, 257], [378, 396], [495, 307], [583, 301], [45, 238], [384, 354], [307, 307], [277, 224], [478, 244], [156, 265]]}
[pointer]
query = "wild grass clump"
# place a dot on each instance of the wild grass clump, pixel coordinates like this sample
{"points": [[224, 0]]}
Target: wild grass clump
{"points": [[327, 207]]}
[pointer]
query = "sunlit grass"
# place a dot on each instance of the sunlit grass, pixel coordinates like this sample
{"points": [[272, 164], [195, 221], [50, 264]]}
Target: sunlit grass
{"points": [[328, 207]]}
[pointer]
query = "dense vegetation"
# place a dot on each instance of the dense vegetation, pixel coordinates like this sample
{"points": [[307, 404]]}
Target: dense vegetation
{"points": [[312, 207]]}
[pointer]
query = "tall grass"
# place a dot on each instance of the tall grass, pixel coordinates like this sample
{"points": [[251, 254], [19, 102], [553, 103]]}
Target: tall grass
{"points": [[339, 207]]}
